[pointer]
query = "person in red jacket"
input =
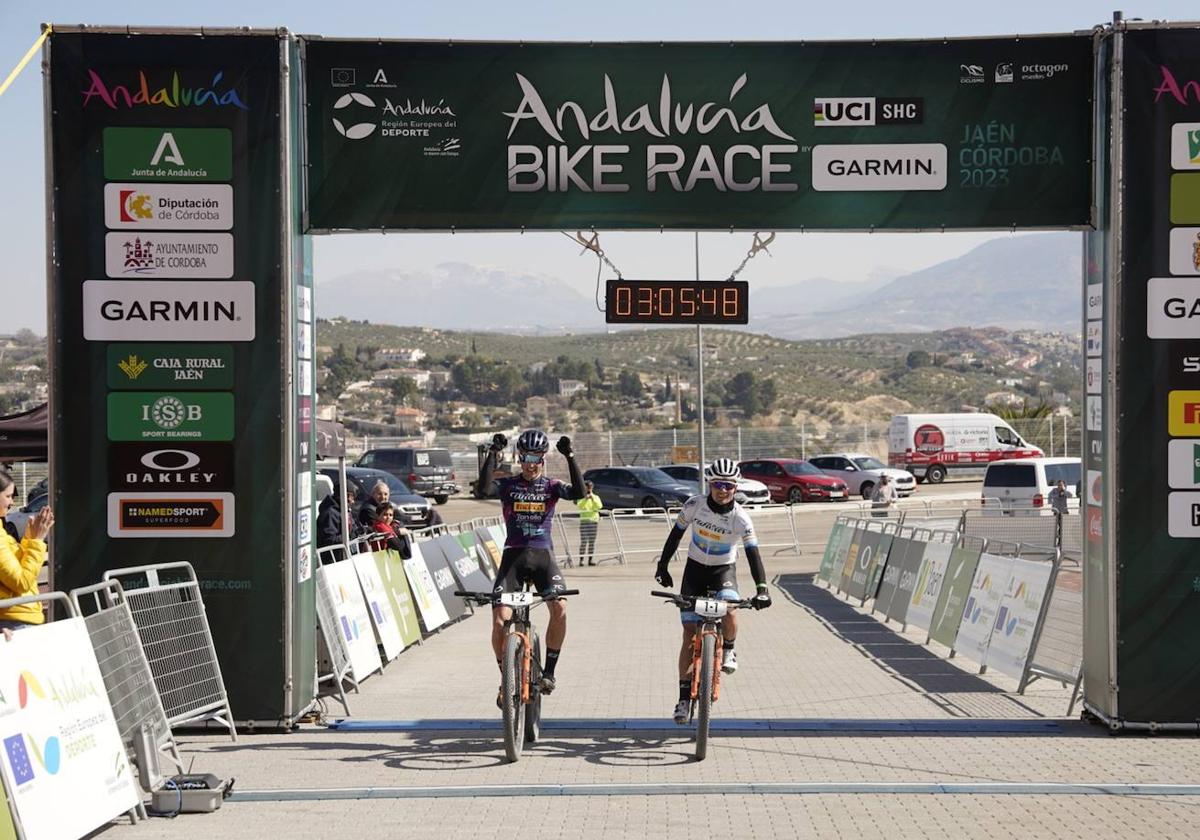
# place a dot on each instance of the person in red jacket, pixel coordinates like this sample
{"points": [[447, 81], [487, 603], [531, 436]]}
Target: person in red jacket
{"points": [[390, 534]]}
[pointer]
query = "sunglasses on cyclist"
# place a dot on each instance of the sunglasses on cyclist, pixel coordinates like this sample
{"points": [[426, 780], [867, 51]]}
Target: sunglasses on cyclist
{"points": [[723, 485], [532, 458]]}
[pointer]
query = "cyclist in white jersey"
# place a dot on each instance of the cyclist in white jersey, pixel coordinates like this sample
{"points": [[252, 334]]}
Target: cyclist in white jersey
{"points": [[718, 524]]}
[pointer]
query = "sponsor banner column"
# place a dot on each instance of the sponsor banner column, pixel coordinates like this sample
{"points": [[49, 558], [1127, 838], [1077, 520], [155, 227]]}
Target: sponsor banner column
{"points": [[166, 379], [1155, 342]]}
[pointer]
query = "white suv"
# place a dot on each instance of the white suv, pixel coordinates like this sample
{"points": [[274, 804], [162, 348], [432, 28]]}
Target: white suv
{"points": [[861, 472], [1022, 485]]}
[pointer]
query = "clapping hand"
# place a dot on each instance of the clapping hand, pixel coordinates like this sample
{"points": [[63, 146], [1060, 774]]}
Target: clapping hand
{"points": [[39, 526]]}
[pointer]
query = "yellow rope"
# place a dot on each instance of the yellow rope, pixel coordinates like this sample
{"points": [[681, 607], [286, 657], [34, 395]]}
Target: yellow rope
{"points": [[21, 65]]}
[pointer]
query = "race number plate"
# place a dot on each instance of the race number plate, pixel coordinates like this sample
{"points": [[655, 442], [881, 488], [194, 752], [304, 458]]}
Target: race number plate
{"points": [[710, 608], [517, 599]]}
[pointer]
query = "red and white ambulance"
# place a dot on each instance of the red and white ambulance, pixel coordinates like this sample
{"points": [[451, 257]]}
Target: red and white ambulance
{"points": [[930, 445]]}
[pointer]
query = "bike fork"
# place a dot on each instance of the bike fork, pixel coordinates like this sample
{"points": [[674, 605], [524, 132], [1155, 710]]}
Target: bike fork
{"points": [[697, 652]]}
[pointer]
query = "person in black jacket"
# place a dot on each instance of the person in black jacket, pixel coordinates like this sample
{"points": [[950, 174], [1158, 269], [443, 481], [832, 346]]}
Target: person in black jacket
{"points": [[329, 521]]}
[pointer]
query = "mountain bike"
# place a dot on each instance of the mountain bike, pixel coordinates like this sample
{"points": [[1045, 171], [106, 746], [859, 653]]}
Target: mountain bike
{"points": [[521, 665], [706, 657]]}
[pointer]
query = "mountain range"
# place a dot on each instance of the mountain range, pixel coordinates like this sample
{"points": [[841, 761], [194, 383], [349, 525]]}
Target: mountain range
{"points": [[1015, 282]]}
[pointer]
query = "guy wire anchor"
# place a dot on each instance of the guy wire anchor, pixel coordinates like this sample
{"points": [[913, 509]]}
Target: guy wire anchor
{"points": [[759, 244]]}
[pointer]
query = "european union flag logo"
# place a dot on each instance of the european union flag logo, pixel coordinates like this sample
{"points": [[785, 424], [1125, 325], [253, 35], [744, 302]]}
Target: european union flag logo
{"points": [[18, 759]]}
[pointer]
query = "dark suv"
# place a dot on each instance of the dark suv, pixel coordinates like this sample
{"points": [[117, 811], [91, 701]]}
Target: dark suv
{"points": [[429, 472], [639, 487]]}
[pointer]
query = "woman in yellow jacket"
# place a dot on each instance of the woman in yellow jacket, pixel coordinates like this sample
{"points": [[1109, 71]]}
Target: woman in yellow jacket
{"points": [[589, 521], [21, 562]]}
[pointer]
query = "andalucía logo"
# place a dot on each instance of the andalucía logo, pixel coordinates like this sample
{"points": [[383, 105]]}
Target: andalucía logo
{"points": [[170, 95], [48, 755]]}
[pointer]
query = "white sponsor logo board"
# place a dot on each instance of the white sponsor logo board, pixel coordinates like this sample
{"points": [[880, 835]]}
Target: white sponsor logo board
{"points": [[305, 375], [1094, 343], [425, 592], [1092, 374], [188, 310], [1185, 146], [351, 621], [988, 588], [168, 206], [1183, 463], [1095, 414], [872, 167], [1172, 308], [170, 514], [303, 340], [1185, 250], [1093, 491], [150, 254], [929, 584], [64, 765], [1183, 515], [379, 607], [1017, 616], [1095, 301], [304, 489]]}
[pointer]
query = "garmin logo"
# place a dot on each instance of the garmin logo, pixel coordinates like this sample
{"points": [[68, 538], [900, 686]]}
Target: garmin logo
{"points": [[872, 167], [131, 310], [1172, 308]]}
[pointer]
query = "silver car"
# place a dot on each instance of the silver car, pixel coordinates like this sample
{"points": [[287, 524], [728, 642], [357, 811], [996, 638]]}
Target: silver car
{"points": [[861, 472], [749, 491]]}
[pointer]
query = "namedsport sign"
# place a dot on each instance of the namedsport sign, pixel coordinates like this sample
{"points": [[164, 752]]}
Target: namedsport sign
{"points": [[984, 133]]}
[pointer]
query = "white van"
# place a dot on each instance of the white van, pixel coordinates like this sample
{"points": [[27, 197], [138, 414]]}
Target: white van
{"points": [[929, 445], [1022, 487]]}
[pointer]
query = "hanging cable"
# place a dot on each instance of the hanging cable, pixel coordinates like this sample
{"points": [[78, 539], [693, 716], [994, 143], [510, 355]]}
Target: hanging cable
{"points": [[759, 244], [593, 244]]}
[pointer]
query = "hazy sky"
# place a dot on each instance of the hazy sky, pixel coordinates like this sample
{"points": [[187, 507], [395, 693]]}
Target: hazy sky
{"points": [[796, 256]]}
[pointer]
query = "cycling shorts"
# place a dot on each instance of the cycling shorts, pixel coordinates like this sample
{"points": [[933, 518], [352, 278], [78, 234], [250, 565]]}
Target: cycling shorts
{"points": [[521, 564], [700, 580]]}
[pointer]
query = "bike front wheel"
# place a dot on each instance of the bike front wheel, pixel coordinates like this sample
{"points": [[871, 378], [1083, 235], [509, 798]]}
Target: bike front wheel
{"points": [[704, 693], [510, 689], [533, 709]]}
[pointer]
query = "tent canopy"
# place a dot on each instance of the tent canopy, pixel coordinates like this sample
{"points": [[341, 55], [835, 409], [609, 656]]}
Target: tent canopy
{"points": [[23, 437]]}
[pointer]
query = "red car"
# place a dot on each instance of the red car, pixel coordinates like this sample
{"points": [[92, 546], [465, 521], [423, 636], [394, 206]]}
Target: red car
{"points": [[793, 480]]}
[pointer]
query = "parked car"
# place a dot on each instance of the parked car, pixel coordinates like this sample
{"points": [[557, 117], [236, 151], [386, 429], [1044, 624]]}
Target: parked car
{"points": [[861, 472], [1022, 486], [412, 510], [793, 480], [429, 472], [749, 491], [639, 487]]}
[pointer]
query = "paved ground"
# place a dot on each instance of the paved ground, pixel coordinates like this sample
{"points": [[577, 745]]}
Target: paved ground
{"points": [[863, 714]]}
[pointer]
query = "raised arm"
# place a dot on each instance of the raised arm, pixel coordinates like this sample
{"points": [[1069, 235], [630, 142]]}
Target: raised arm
{"points": [[483, 486], [577, 488]]}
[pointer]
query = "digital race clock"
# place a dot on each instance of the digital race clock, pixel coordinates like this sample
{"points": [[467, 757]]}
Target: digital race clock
{"points": [[677, 302]]}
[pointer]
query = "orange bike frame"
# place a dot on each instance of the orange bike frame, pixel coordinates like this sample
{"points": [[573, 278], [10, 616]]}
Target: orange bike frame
{"points": [[697, 652], [526, 664]]}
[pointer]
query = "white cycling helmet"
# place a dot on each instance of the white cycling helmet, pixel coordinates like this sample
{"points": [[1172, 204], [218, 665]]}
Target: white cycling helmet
{"points": [[723, 469]]}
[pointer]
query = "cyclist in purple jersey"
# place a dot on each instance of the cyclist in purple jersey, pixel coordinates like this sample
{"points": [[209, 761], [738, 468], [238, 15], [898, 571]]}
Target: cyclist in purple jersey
{"points": [[528, 501]]}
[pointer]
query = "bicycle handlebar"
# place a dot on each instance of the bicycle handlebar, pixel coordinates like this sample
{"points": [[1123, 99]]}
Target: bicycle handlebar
{"points": [[689, 601], [483, 598]]}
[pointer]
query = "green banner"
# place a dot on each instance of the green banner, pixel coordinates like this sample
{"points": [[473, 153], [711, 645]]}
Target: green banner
{"points": [[391, 572], [978, 133], [171, 417], [168, 154], [956, 588], [831, 546], [203, 367]]}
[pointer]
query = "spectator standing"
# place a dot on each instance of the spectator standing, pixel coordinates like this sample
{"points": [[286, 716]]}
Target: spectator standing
{"points": [[589, 522], [21, 562], [884, 496], [329, 520], [1058, 498]]}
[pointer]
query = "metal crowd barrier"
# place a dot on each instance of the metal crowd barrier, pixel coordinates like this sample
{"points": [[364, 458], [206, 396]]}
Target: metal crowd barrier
{"points": [[128, 680], [168, 611]]}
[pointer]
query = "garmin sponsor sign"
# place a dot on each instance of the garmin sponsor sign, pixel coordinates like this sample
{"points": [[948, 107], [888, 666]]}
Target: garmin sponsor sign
{"points": [[168, 206], [148, 254], [876, 167], [1172, 308], [131, 310]]}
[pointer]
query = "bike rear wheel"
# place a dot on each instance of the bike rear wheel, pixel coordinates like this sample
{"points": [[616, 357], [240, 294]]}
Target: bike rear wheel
{"points": [[704, 692], [510, 688], [533, 709]]}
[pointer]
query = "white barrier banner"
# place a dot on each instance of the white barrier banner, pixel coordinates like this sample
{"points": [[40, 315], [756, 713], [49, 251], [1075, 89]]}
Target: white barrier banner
{"points": [[425, 592], [1017, 617], [352, 620], [992, 576], [64, 764], [378, 605], [929, 584]]}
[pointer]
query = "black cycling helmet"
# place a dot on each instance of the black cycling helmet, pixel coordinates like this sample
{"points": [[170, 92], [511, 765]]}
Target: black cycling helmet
{"points": [[533, 440]]}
